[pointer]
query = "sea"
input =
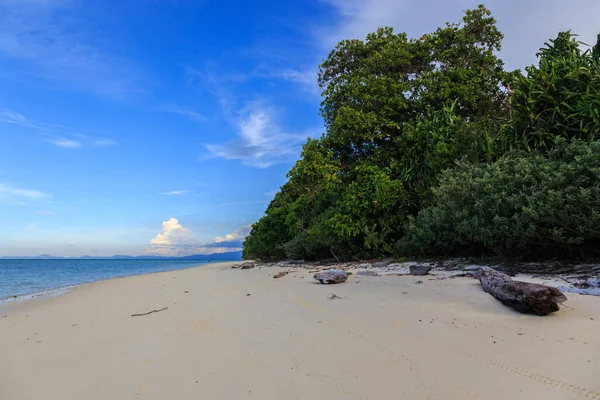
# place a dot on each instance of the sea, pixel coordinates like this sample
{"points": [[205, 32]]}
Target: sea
{"points": [[23, 279]]}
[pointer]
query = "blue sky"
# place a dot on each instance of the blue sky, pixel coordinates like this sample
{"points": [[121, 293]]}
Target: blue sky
{"points": [[165, 127]]}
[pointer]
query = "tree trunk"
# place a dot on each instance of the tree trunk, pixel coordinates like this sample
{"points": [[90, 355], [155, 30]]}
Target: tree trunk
{"points": [[528, 298]]}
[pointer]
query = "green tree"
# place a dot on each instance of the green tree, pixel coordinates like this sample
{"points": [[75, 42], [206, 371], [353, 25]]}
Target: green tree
{"points": [[397, 112], [558, 98]]}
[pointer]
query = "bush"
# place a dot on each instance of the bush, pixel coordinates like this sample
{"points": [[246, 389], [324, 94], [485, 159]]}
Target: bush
{"points": [[525, 204]]}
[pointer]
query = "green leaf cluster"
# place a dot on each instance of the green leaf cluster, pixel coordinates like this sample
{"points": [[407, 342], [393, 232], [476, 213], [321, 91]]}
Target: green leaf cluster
{"points": [[558, 98]]}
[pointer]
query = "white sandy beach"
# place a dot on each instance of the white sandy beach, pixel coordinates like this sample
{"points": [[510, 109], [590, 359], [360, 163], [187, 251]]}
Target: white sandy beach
{"points": [[240, 334]]}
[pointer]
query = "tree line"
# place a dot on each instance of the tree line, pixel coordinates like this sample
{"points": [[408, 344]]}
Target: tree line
{"points": [[431, 147]]}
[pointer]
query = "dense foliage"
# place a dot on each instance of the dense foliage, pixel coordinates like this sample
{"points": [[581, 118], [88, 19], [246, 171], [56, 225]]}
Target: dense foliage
{"points": [[558, 98], [525, 204], [424, 132]]}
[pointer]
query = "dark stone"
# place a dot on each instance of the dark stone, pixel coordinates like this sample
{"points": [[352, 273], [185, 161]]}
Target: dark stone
{"points": [[367, 273], [419, 269], [331, 276], [382, 264], [245, 265], [527, 298]]}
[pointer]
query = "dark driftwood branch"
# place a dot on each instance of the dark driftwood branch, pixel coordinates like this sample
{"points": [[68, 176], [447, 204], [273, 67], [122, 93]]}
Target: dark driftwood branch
{"points": [[529, 298], [149, 312], [333, 254]]}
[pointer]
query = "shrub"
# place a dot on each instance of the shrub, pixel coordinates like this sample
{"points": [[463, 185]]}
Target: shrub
{"points": [[525, 204]]}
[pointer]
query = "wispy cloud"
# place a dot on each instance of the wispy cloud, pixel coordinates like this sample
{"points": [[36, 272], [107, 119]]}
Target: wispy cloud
{"points": [[261, 141], [305, 79], [18, 196], [11, 117], [176, 240], [57, 135], [176, 109], [64, 142], [51, 42], [177, 192], [101, 142]]}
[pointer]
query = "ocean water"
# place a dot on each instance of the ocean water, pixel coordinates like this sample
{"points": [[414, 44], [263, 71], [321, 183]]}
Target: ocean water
{"points": [[23, 277]]}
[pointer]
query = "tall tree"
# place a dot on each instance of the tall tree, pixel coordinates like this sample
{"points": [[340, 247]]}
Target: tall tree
{"points": [[560, 97], [397, 112]]}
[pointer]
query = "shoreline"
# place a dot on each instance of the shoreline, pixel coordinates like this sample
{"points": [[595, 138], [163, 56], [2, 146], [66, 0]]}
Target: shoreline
{"points": [[60, 290], [24, 297], [219, 332]]}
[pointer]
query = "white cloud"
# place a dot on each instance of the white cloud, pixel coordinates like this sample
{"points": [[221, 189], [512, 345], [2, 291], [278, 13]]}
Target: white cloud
{"points": [[261, 141], [525, 24], [18, 196], [177, 192], [175, 240], [237, 235], [172, 234]]}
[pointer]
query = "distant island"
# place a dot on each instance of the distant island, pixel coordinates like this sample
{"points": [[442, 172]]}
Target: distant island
{"points": [[233, 255]]}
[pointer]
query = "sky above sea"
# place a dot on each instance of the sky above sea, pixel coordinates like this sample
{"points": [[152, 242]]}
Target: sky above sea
{"points": [[166, 127]]}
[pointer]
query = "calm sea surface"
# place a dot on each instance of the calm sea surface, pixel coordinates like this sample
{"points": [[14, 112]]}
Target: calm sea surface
{"points": [[19, 277]]}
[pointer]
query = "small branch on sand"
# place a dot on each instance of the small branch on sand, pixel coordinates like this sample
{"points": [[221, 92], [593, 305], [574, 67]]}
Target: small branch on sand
{"points": [[149, 312], [564, 279]]}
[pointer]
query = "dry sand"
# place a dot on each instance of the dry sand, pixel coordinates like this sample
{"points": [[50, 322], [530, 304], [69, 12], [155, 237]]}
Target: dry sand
{"points": [[240, 334]]}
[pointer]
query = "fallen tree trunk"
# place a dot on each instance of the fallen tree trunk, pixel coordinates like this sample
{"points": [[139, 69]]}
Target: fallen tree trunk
{"points": [[528, 298]]}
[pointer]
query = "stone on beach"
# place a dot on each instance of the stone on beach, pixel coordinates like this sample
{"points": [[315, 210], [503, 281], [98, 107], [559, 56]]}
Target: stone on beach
{"points": [[382, 264], [245, 265], [419, 269], [331, 276], [367, 273]]}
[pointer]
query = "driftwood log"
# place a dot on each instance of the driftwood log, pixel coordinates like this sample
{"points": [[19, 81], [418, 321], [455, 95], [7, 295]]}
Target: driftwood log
{"points": [[527, 298]]}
